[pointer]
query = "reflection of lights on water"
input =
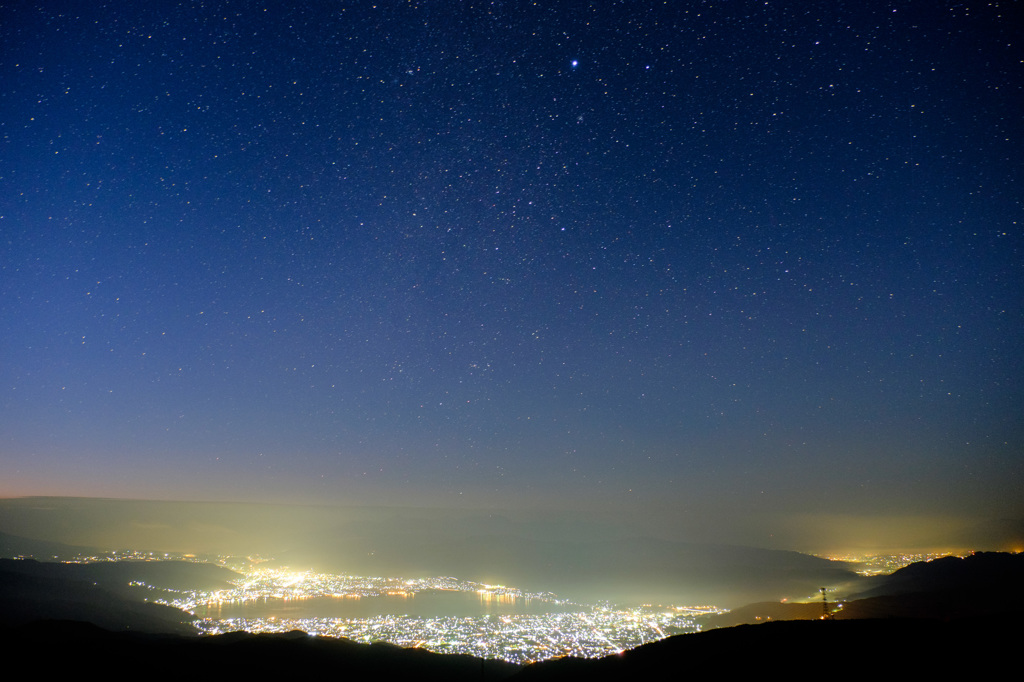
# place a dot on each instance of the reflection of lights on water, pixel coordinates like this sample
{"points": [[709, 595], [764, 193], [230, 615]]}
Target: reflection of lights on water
{"points": [[500, 597]]}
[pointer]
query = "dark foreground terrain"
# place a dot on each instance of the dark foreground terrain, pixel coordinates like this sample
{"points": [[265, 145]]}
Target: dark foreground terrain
{"points": [[833, 649]]}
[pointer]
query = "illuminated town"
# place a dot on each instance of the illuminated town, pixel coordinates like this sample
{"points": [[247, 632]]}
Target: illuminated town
{"points": [[569, 629], [506, 623], [884, 564]]}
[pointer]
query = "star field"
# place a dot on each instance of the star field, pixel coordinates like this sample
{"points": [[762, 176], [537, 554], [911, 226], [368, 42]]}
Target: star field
{"points": [[665, 257]]}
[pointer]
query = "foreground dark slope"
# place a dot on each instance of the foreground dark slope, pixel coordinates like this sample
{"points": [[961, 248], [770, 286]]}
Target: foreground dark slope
{"points": [[842, 649], [66, 648], [838, 649]]}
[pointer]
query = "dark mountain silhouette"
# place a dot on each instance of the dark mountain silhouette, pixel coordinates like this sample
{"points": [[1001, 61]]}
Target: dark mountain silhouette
{"points": [[115, 575], [984, 584], [834, 649], [65, 648], [840, 649], [990, 572], [96, 593]]}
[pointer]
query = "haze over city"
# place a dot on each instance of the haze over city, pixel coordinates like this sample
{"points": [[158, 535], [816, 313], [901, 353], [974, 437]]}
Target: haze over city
{"points": [[742, 273]]}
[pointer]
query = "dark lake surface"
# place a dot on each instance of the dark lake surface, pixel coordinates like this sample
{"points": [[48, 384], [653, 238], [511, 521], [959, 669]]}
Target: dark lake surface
{"points": [[426, 604]]}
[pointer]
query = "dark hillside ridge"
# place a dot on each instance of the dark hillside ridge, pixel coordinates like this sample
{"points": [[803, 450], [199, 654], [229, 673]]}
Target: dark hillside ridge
{"points": [[115, 575], [839, 650], [986, 571], [976, 587], [845, 649], [66, 648], [31, 591]]}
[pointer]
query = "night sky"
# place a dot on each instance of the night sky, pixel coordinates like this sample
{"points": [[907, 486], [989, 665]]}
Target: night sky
{"points": [[674, 259]]}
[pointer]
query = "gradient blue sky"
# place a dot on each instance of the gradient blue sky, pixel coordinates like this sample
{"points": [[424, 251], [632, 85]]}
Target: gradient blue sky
{"points": [[665, 258]]}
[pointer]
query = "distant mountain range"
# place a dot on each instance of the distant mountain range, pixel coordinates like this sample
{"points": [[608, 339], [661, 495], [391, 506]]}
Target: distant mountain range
{"points": [[573, 556], [630, 570], [43, 550]]}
